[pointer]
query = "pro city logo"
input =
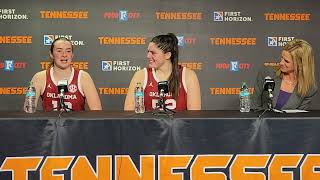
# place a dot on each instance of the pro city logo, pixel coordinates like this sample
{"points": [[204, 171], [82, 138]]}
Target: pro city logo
{"points": [[230, 16], [233, 66], [278, 41], [11, 65], [8, 65], [182, 40], [108, 66], [122, 15], [48, 39]]}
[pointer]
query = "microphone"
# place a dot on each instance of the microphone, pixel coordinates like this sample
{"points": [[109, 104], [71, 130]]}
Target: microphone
{"points": [[62, 89], [163, 88], [269, 86]]}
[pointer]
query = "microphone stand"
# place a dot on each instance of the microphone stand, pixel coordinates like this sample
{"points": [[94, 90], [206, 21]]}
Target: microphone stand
{"points": [[270, 105], [63, 106], [161, 107], [61, 97], [270, 98]]}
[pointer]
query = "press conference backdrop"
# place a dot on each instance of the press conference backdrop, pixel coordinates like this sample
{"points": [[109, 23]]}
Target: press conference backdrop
{"points": [[224, 42]]}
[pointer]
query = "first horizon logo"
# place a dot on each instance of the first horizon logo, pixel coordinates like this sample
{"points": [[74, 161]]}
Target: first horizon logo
{"points": [[11, 14], [278, 41], [230, 16], [108, 66], [48, 39]]}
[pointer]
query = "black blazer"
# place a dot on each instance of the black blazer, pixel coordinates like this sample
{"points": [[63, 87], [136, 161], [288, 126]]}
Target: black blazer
{"points": [[259, 99]]}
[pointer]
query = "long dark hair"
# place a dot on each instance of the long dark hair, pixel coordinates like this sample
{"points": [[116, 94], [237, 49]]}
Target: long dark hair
{"points": [[169, 43], [53, 44]]}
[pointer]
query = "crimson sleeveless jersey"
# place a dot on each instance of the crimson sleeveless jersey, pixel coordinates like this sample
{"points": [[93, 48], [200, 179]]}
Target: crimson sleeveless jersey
{"points": [[74, 98], [151, 94]]}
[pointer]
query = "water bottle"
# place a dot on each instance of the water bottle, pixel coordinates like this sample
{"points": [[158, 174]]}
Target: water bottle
{"points": [[244, 98], [139, 99], [30, 100]]}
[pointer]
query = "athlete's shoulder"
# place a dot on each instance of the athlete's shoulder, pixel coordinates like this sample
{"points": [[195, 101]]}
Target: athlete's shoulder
{"points": [[40, 75], [140, 74]]}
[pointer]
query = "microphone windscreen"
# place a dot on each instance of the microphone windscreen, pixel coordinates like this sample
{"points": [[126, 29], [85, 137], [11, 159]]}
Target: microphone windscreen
{"points": [[63, 84], [267, 77], [268, 83], [163, 85]]}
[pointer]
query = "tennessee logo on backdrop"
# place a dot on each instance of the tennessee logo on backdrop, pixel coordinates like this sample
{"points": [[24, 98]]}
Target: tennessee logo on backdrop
{"points": [[13, 90], [76, 64], [223, 41], [287, 16], [227, 90], [112, 91], [238, 166], [179, 15], [108, 40], [15, 39], [192, 65], [45, 14]]}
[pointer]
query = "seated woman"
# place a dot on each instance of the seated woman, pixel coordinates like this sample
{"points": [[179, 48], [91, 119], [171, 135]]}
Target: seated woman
{"points": [[163, 57], [295, 83], [81, 86]]}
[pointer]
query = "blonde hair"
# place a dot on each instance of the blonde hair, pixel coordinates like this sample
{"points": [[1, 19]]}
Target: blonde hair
{"points": [[304, 67]]}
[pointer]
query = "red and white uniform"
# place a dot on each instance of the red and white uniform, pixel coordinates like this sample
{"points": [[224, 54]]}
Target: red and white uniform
{"points": [[74, 98], [151, 94]]}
